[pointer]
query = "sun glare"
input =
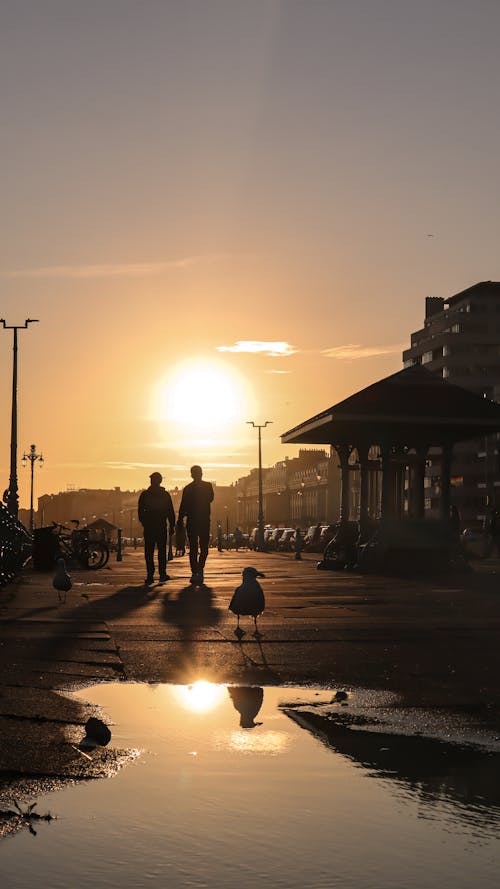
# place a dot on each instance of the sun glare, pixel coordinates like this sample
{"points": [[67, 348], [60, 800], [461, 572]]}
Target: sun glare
{"points": [[201, 395], [201, 696]]}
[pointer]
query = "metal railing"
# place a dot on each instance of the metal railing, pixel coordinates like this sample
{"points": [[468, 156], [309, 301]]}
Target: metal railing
{"points": [[15, 546]]}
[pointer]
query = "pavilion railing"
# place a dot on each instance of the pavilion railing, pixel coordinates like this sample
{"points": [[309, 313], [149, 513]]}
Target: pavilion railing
{"points": [[15, 546]]}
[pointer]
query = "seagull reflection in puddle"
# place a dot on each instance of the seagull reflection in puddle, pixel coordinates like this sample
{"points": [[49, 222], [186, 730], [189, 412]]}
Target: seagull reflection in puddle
{"points": [[247, 700]]}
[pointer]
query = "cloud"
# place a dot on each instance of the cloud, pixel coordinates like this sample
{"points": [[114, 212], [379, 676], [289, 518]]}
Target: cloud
{"points": [[271, 349], [353, 351], [113, 270], [277, 371], [118, 464]]}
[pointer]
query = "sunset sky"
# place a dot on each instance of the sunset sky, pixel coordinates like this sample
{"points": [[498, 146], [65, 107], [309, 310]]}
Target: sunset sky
{"points": [[244, 200]]}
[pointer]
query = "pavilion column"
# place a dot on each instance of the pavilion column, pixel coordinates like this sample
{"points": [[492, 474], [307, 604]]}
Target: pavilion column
{"points": [[399, 480], [417, 486], [446, 481], [387, 504], [344, 452], [364, 488]]}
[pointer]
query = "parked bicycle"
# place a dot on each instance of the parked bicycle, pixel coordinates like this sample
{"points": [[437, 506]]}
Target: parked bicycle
{"points": [[78, 544]]}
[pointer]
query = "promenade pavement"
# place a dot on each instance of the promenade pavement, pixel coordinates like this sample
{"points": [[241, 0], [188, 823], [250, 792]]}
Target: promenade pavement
{"points": [[434, 642]]}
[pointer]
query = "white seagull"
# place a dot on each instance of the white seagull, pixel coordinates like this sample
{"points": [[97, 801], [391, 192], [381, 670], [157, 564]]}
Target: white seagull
{"points": [[248, 598]]}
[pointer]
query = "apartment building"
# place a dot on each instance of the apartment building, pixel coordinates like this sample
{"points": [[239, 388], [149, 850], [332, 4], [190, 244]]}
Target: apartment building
{"points": [[460, 341]]}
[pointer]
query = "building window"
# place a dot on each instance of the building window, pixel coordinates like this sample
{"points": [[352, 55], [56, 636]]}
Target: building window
{"points": [[426, 357], [455, 328]]}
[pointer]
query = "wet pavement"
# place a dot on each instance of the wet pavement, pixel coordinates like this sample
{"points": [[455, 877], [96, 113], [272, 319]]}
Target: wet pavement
{"points": [[431, 645], [243, 785]]}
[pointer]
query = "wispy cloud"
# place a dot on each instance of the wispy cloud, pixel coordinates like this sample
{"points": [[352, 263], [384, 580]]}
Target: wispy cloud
{"points": [[113, 270], [119, 464], [277, 371], [353, 351], [272, 349]]}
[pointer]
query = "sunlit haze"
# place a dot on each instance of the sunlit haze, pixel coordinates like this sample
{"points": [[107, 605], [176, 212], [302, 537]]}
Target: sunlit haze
{"points": [[228, 211]]}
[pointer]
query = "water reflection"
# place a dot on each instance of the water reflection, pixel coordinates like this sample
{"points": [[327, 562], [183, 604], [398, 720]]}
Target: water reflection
{"points": [[200, 696], [432, 770], [268, 742], [247, 700], [231, 791]]}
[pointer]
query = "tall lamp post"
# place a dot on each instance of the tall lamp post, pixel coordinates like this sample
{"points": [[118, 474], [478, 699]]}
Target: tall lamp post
{"points": [[12, 498], [260, 518], [318, 491], [32, 457]]}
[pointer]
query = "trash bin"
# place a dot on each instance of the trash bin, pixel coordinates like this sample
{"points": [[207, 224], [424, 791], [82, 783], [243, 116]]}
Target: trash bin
{"points": [[44, 549]]}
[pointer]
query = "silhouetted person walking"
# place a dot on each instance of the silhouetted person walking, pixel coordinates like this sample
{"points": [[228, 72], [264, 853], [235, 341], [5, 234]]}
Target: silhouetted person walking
{"points": [[195, 505], [155, 508]]}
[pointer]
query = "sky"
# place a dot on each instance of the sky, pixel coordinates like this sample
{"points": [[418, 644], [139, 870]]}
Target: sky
{"points": [[223, 211]]}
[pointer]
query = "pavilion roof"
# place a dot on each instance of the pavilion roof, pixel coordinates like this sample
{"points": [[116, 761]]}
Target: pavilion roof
{"points": [[411, 406]]}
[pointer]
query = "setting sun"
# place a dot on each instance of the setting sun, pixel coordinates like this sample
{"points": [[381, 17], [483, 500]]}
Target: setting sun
{"points": [[201, 394]]}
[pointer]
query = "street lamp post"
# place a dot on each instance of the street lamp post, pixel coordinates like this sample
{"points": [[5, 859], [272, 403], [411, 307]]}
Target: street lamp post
{"points": [[300, 495], [12, 498], [260, 518], [32, 457], [318, 491]]}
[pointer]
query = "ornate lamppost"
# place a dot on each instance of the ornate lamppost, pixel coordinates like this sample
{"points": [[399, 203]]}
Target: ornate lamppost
{"points": [[32, 457]]}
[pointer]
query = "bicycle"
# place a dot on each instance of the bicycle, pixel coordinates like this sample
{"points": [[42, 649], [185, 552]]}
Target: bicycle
{"points": [[78, 545]]}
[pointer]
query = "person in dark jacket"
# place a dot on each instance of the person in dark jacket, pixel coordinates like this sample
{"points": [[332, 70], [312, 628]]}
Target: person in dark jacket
{"points": [[195, 505], [155, 508]]}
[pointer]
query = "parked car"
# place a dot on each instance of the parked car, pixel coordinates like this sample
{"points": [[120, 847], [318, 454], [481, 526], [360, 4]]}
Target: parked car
{"points": [[274, 538], [253, 538], [327, 533], [285, 541], [311, 538]]}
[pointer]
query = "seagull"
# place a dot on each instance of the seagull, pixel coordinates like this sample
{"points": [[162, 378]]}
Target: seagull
{"points": [[62, 580], [249, 599]]}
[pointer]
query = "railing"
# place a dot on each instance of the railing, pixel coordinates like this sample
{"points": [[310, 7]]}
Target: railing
{"points": [[15, 546]]}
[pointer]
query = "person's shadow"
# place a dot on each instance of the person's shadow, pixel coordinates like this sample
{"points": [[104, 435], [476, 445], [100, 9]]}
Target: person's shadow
{"points": [[193, 608], [189, 612]]}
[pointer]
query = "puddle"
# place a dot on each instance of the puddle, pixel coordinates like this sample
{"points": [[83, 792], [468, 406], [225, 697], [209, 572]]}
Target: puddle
{"points": [[236, 787]]}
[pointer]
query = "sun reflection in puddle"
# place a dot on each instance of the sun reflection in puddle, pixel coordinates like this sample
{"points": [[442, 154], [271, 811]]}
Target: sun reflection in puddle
{"points": [[200, 697], [244, 742]]}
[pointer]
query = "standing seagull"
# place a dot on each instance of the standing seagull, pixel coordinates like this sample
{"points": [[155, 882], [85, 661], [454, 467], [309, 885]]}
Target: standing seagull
{"points": [[62, 580], [248, 598]]}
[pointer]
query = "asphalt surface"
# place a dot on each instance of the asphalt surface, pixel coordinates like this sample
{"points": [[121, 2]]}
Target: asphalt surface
{"points": [[433, 642]]}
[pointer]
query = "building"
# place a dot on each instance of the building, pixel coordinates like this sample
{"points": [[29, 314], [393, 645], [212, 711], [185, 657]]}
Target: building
{"points": [[460, 341], [119, 508], [297, 491], [86, 505]]}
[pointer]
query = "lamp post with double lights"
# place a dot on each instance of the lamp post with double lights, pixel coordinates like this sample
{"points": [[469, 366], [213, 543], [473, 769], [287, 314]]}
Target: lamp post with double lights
{"points": [[11, 496], [260, 517], [31, 458]]}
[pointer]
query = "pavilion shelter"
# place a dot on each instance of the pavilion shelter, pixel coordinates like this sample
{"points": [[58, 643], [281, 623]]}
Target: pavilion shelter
{"points": [[390, 428]]}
